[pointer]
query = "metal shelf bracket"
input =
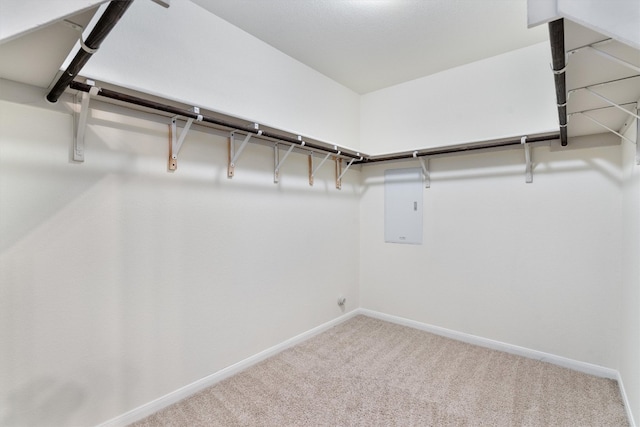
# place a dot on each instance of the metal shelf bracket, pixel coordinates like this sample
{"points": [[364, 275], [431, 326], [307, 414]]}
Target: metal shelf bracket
{"points": [[605, 99], [312, 170], [278, 163], [605, 126], [527, 159], [235, 154], [613, 58], [178, 140], [593, 47], [424, 162], [80, 120], [340, 172]]}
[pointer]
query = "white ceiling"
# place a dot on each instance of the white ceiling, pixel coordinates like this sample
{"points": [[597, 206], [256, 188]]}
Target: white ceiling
{"points": [[371, 44]]}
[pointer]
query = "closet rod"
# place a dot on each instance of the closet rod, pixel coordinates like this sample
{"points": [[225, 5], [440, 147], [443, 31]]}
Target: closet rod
{"points": [[118, 96], [358, 158], [107, 21], [556, 38], [499, 143]]}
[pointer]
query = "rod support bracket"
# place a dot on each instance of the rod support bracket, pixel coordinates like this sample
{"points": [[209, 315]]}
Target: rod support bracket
{"points": [[424, 162], [235, 154], [312, 170], [340, 172], [527, 159], [80, 120], [196, 110], [176, 141], [278, 163]]}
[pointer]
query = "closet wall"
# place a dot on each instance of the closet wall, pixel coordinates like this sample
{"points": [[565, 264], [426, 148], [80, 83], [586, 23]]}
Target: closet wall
{"points": [[503, 96], [535, 265], [550, 266], [121, 282], [629, 364]]}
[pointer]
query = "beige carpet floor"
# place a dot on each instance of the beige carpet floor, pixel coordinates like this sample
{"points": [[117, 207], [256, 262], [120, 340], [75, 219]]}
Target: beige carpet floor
{"points": [[367, 372]]}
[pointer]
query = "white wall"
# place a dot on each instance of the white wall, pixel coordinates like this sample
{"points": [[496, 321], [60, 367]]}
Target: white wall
{"points": [[503, 96], [629, 366], [222, 68], [616, 18], [121, 282], [541, 12], [19, 17], [535, 265]]}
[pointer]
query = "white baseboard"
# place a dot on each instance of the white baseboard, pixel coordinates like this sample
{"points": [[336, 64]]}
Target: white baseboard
{"points": [[576, 365], [625, 399], [186, 391], [587, 368]]}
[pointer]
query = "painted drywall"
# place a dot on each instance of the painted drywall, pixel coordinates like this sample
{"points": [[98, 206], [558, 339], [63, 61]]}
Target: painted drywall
{"points": [[534, 265], [541, 11], [222, 68], [18, 17], [617, 18], [503, 96], [630, 305], [121, 282]]}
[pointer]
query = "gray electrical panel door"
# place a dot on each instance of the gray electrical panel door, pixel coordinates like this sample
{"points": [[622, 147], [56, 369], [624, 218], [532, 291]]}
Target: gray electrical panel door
{"points": [[403, 206]]}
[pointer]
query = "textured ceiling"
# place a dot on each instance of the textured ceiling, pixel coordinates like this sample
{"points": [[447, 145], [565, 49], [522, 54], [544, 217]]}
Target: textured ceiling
{"points": [[371, 44]]}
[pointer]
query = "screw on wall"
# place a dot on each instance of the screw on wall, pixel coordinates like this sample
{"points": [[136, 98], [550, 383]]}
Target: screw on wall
{"points": [[342, 301]]}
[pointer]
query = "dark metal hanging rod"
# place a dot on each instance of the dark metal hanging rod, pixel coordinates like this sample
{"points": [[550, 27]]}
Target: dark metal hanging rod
{"points": [[105, 24], [556, 38], [130, 99], [466, 148], [318, 146]]}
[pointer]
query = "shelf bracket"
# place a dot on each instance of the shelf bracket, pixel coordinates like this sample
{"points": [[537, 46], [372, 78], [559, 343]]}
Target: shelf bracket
{"points": [[80, 120], [592, 47], [424, 162], [613, 58], [235, 154], [527, 159], [278, 163], [312, 170], [177, 140], [605, 127], [342, 172], [338, 161], [610, 102]]}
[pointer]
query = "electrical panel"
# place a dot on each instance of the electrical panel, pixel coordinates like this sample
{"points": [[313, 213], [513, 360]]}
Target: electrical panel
{"points": [[403, 192]]}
